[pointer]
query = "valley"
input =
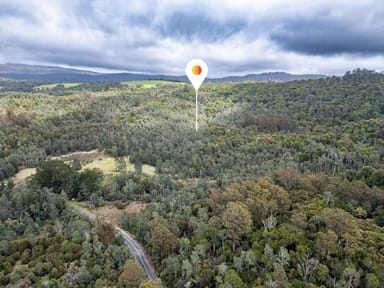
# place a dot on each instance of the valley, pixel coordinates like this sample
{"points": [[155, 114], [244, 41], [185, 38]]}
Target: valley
{"points": [[283, 185]]}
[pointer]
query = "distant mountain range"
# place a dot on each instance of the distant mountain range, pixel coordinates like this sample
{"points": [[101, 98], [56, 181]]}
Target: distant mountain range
{"points": [[59, 74]]}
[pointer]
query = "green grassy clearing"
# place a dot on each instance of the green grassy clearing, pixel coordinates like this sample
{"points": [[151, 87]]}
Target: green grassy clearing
{"points": [[149, 83], [107, 165], [53, 85]]}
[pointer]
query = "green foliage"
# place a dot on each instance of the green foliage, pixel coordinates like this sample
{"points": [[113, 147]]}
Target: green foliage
{"points": [[281, 187], [164, 241], [312, 248], [313, 127], [88, 184], [58, 176], [132, 276], [232, 279], [237, 220], [51, 242], [54, 174], [105, 231], [76, 165]]}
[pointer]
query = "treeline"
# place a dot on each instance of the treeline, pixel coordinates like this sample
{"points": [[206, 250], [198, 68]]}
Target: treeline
{"points": [[327, 125], [85, 88], [61, 178], [287, 230], [292, 230], [18, 86], [44, 243], [91, 185]]}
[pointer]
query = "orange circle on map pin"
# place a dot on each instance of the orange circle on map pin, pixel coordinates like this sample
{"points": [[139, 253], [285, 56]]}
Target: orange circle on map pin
{"points": [[196, 71]]}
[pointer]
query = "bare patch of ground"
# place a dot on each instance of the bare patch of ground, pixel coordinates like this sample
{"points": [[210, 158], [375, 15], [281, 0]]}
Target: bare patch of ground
{"points": [[23, 174], [113, 215], [134, 207]]}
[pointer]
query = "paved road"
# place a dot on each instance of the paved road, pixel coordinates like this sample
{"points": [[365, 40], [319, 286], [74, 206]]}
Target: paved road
{"points": [[136, 249]]}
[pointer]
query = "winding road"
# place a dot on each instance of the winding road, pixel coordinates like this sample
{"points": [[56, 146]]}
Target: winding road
{"points": [[136, 249]]}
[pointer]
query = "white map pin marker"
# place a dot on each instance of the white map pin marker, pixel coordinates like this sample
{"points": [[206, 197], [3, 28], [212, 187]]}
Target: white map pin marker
{"points": [[196, 71]]}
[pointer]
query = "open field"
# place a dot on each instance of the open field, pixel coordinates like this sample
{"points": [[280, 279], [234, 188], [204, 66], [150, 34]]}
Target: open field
{"points": [[89, 160], [107, 165], [96, 159], [149, 83]]}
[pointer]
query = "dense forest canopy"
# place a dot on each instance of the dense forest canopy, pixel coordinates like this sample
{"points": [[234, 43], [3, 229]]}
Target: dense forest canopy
{"points": [[283, 185]]}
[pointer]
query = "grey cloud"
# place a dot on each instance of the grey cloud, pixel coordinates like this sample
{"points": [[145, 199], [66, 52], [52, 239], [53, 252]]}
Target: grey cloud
{"points": [[9, 9], [148, 36], [188, 26], [6, 9], [329, 32], [327, 38]]}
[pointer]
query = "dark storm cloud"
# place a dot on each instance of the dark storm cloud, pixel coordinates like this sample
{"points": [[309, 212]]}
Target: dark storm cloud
{"points": [[327, 36]]}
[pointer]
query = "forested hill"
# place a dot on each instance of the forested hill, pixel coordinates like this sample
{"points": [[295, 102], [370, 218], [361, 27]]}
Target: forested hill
{"points": [[58, 74], [283, 185], [328, 125]]}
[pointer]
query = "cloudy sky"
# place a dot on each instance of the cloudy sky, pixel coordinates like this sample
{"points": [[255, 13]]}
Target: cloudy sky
{"points": [[160, 36]]}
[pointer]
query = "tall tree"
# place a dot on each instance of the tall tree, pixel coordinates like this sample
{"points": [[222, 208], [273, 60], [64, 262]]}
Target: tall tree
{"points": [[105, 231], [232, 280], [265, 200], [237, 220], [163, 240], [132, 276], [54, 174]]}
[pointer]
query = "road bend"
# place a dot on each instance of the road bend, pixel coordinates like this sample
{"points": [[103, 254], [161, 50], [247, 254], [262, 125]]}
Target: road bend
{"points": [[135, 248]]}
